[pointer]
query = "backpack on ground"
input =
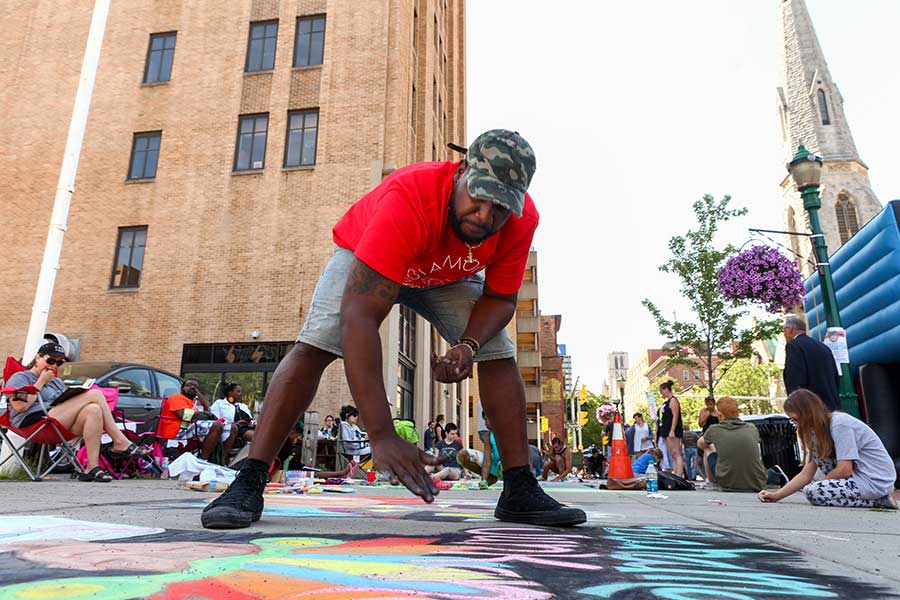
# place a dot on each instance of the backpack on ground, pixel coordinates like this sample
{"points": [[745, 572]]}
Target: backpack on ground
{"points": [[672, 482]]}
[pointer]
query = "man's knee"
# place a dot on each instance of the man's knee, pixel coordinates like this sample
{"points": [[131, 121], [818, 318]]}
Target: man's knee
{"points": [[306, 352]]}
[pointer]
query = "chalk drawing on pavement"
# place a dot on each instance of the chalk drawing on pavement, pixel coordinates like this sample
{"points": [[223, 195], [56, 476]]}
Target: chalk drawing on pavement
{"points": [[517, 563]]}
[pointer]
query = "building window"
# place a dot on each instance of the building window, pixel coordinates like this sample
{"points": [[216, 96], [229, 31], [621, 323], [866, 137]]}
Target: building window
{"points": [[129, 257], [261, 46], [792, 226], [847, 219], [406, 367], [302, 132], [144, 155], [408, 333], [309, 43], [529, 375], [686, 375], [414, 109], [823, 107], [250, 153], [160, 54]]}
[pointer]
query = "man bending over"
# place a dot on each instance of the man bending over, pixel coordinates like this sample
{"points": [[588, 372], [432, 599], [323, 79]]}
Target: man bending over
{"points": [[421, 239]]}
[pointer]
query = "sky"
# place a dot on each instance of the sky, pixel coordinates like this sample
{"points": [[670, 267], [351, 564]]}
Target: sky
{"points": [[637, 109]]}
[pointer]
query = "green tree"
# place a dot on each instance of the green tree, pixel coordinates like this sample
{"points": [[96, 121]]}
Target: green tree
{"points": [[713, 339], [746, 379]]}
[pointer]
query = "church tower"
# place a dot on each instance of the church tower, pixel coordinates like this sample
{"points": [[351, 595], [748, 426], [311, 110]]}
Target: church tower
{"points": [[811, 110]]}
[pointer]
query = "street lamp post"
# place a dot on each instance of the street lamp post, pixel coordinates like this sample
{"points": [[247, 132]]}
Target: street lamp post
{"points": [[620, 380], [806, 169]]}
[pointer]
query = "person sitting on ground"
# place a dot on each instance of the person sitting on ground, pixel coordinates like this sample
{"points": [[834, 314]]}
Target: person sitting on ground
{"points": [[709, 415], [486, 463], [234, 414], [354, 441], [289, 458], [329, 429], [654, 456], [560, 461], [86, 414], [858, 470], [592, 463], [448, 448], [186, 417], [735, 462]]}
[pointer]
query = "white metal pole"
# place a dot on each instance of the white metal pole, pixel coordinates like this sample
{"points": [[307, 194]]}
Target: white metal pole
{"points": [[66, 186]]}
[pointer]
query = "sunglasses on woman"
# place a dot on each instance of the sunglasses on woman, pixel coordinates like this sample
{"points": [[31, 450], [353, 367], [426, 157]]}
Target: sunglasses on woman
{"points": [[56, 361]]}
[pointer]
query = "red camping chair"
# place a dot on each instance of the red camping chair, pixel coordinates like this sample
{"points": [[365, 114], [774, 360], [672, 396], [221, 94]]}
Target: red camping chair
{"points": [[173, 451], [47, 432]]}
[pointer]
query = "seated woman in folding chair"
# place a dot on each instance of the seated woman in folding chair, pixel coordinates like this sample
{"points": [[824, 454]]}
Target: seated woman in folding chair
{"points": [[86, 414]]}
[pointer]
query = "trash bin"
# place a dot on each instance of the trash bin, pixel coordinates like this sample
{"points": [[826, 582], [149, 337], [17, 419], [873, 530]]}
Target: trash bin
{"points": [[777, 442]]}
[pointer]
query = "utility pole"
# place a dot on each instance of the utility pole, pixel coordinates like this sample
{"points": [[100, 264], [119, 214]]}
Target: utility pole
{"points": [[40, 310]]}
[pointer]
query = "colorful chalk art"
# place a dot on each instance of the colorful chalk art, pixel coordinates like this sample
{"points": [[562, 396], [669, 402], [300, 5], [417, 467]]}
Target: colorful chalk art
{"points": [[48, 558]]}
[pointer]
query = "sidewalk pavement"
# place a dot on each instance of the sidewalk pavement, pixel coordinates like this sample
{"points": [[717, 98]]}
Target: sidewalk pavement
{"points": [[134, 539]]}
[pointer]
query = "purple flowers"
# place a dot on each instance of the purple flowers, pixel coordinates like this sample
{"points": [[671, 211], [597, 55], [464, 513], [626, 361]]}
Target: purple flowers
{"points": [[605, 413], [763, 275]]}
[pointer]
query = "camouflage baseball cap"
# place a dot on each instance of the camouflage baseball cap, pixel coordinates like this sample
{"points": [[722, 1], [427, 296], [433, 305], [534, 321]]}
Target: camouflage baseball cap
{"points": [[501, 165]]}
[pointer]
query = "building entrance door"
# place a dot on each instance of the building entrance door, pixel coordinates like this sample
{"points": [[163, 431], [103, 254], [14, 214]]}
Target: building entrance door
{"points": [[248, 365]]}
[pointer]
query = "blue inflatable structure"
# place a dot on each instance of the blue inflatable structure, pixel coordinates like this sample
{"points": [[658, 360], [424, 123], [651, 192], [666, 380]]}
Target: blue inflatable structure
{"points": [[866, 273]]}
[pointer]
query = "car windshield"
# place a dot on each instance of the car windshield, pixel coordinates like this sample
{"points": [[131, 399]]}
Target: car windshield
{"points": [[75, 374]]}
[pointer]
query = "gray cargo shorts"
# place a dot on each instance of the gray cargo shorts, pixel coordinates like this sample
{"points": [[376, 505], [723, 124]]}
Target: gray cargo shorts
{"points": [[447, 307]]}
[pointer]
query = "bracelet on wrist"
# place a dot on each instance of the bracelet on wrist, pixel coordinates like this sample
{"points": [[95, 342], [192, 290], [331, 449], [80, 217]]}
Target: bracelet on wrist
{"points": [[471, 343]]}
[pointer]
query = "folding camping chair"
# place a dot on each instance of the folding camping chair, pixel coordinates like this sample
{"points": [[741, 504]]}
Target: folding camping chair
{"points": [[178, 447], [47, 433]]}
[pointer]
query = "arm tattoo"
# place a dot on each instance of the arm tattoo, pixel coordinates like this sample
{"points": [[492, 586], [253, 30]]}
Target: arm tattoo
{"points": [[364, 281]]}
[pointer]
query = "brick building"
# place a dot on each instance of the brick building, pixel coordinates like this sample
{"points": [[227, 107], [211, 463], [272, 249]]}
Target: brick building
{"points": [[553, 378], [224, 141]]}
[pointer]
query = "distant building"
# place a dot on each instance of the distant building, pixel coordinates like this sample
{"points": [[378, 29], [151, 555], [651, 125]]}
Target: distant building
{"points": [[553, 390], [617, 363]]}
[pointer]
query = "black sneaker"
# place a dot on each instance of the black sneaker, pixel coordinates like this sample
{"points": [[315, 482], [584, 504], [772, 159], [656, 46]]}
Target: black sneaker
{"points": [[523, 501], [241, 504]]}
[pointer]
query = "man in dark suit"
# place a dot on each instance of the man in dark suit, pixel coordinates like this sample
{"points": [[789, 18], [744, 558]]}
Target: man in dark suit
{"points": [[809, 364]]}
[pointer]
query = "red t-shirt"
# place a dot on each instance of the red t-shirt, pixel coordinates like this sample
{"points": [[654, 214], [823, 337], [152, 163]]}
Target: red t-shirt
{"points": [[169, 422], [402, 230]]}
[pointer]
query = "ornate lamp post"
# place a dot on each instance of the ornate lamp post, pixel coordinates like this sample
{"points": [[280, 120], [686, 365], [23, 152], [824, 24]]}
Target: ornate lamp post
{"points": [[806, 169]]}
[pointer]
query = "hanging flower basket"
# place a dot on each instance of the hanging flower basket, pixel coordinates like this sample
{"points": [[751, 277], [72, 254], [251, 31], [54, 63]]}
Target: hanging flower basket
{"points": [[605, 413], [762, 275]]}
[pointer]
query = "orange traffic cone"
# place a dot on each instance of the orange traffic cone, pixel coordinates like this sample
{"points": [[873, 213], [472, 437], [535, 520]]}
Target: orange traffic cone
{"points": [[619, 461]]}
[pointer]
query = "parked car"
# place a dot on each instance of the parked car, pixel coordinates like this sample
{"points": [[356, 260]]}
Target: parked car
{"points": [[141, 388]]}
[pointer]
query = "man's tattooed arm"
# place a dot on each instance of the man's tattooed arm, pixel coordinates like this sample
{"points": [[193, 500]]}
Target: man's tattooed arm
{"points": [[364, 281]]}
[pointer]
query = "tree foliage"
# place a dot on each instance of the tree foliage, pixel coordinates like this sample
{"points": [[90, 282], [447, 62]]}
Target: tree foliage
{"points": [[747, 379], [713, 340]]}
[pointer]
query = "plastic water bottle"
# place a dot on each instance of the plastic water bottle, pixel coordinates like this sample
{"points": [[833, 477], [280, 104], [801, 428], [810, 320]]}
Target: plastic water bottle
{"points": [[165, 469], [652, 479]]}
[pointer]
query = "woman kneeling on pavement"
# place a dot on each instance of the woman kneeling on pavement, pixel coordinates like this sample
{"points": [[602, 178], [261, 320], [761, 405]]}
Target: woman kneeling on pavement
{"points": [[858, 470], [86, 414]]}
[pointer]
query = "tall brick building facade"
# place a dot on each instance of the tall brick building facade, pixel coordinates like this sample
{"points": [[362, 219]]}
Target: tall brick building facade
{"points": [[224, 141]]}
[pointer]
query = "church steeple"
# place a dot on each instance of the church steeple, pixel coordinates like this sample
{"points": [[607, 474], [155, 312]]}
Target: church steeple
{"points": [[811, 110], [812, 104]]}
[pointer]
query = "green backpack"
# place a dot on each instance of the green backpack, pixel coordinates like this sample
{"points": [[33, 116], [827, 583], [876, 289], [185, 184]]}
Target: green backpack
{"points": [[407, 430]]}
